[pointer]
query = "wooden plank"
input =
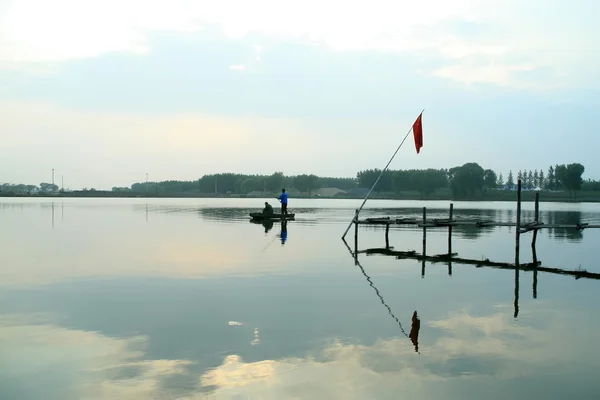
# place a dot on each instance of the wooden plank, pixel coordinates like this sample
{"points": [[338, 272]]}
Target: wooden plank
{"points": [[441, 223]]}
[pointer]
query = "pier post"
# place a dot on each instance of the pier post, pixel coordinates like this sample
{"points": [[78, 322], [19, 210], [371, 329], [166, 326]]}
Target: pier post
{"points": [[536, 217], [450, 239], [518, 230], [424, 241]]}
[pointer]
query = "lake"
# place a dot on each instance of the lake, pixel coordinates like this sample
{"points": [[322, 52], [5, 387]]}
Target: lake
{"points": [[186, 299]]}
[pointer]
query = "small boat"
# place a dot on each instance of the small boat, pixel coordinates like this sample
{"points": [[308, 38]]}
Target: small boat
{"points": [[257, 216]]}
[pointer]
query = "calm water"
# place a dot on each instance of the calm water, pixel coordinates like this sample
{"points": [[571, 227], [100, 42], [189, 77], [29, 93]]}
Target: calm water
{"points": [[186, 299]]}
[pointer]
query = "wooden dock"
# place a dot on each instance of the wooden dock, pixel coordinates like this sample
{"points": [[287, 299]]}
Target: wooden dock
{"points": [[447, 222], [424, 223], [449, 258]]}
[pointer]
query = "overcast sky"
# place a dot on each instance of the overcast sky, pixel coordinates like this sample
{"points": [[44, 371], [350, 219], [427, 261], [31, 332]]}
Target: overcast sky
{"points": [[107, 91]]}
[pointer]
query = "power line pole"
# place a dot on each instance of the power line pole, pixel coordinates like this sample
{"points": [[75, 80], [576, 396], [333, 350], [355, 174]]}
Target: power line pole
{"points": [[53, 176], [146, 182]]}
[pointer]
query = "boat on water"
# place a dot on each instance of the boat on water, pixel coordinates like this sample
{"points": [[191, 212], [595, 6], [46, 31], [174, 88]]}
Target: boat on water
{"points": [[258, 216]]}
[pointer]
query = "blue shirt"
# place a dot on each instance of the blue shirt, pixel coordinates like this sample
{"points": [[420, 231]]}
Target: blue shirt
{"points": [[283, 198]]}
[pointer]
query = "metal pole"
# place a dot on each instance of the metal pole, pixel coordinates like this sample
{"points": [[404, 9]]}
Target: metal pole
{"points": [[377, 180]]}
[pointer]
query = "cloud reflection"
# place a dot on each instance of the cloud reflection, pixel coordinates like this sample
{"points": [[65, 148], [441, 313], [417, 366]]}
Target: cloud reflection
{"points": [[76, 364]]}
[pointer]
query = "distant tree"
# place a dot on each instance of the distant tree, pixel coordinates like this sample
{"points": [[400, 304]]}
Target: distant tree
{"points": [[275, 182], [367, 178], [305, 183], [466, 180], [425, 182], [541, 180], [536, 179], [510, 181], [560, 173], [529, 180], [590, 185], [551, 179], [500, 181], [572, 178], [489, 179], [48, 187]]}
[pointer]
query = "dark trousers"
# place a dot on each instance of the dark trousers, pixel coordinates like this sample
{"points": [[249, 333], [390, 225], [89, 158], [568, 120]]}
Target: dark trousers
{"points": [[284, 208]]}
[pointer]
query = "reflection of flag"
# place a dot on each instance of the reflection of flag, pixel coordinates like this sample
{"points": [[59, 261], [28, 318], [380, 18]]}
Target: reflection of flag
{"points": [[418, 133]]}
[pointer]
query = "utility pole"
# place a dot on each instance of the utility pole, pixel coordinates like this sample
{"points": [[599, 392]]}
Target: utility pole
{"points": [[146, 182], [53, 176], [62, 182]]}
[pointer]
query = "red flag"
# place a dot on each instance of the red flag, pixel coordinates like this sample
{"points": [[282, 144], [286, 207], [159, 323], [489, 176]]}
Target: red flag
{"points": [[418, 133]]}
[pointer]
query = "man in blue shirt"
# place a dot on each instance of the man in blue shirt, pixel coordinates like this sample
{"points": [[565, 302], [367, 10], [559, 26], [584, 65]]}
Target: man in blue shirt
{"points": [[283, 198]]}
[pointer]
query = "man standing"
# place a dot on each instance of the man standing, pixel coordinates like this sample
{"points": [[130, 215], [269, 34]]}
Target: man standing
{"points": [[283, 198]]}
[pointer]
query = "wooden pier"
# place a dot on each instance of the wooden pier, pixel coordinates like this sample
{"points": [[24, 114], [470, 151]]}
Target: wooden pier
{"points": [[450, 222], [451, 257]]}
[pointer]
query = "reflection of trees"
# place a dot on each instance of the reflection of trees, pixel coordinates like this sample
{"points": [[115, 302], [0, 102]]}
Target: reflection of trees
{"points": [[563, 218]]}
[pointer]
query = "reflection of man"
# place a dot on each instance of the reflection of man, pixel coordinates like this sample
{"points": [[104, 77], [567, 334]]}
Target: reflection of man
{"points": [[283, 234], [414, 331], [268, 224]]}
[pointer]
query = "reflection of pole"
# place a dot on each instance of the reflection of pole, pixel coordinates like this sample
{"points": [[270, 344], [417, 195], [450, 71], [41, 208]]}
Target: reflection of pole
{"points": [[535, 272], [356, 234], [516, 286], [387, 236], [450, 239], [536, 217]]}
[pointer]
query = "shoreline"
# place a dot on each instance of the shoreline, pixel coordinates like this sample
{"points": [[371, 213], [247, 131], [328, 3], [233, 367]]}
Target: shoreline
{"points": [[545, 197]]}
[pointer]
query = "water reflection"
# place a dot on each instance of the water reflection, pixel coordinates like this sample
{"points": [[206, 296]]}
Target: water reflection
{"points": [[169, 310], [564, 218], [283, 232], [267, 224]]}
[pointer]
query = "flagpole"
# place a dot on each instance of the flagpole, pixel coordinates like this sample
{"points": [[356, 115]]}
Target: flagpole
{"points": [[377, 180]]}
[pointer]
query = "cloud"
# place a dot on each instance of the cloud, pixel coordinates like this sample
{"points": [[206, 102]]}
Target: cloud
{"points": [[483, 74], [493, 31]]}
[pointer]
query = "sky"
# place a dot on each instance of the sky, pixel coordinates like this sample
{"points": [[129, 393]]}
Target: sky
{"points": [[108, 91]]}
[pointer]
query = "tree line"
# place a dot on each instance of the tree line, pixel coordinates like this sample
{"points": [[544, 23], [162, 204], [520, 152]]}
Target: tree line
{"points": [[228, 183], [471, 180], [466, 181]]}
